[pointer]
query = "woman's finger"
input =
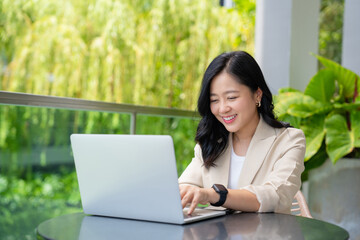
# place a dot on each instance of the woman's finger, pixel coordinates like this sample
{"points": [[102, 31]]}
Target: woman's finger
{"points": [[187, 198], [193, 205]]}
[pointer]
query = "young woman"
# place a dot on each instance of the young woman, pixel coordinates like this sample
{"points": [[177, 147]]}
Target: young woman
{"points": [[245, 159]]}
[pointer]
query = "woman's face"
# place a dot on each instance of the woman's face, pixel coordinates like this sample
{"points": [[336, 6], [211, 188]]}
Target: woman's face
{"points": [[233, 104]]}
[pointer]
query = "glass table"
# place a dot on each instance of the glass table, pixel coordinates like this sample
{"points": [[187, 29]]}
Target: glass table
{"points": [[236, 226]]}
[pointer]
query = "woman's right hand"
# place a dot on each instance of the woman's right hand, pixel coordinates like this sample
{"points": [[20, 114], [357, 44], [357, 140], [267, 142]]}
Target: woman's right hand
{"points": [[194, 195]]}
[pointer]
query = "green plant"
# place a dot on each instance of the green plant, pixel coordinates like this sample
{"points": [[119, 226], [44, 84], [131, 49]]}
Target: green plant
{"points": [[328, 112], [331, 29], [125, 51]]}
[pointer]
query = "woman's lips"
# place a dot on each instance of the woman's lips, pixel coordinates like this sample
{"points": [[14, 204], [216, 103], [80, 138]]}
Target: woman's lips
{"points": [[229, 119]]}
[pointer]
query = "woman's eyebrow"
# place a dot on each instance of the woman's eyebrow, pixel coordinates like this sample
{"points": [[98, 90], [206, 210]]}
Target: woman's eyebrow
{"points": [[226, 92], [232, 91]]}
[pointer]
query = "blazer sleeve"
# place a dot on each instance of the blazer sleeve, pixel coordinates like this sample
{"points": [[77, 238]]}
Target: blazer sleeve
{"points": [[193, 172], [284, 180]]}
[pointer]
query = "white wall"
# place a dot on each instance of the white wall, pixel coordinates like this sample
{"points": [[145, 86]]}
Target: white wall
{"points": [[351, 36], [286, 32]]}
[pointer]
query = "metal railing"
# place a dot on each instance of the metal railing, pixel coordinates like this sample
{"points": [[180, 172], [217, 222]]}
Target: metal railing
{"points": [[25, 99]]}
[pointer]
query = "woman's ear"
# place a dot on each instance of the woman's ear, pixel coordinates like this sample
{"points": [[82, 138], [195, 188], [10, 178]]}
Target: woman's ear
{"points": [[258, 94]]}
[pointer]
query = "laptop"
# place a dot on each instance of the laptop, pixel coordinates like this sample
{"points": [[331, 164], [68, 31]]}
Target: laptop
{"points": [[132, 177]]}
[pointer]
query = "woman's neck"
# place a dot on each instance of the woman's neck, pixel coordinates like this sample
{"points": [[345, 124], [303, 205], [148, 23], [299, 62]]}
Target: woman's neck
{"points": [[241, 140]]}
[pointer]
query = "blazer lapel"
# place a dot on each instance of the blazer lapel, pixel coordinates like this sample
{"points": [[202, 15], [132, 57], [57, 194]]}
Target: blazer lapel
{"points": [[259, 146]]}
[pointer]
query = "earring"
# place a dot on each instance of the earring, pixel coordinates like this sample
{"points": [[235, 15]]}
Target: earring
{"points": [[258, 104]]}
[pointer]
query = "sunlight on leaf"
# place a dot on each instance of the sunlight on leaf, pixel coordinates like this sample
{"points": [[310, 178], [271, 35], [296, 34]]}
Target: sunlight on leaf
{"points": [[284, 100], [338, 138], [355, 127], [322, 86], [343, 75], [314, 132], [308, 107]]}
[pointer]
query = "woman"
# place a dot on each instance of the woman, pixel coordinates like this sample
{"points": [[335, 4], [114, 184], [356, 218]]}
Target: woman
{"points": [[245, 159]]}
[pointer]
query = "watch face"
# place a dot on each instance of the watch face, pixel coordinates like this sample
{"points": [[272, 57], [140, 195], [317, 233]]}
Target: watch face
{"points": [[220, 188]]}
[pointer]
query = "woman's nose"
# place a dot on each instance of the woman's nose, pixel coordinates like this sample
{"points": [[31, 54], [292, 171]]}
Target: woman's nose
{"points": [[224, 107]]}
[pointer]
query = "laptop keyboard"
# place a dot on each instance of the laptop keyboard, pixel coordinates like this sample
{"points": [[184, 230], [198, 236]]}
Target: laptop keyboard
{"points": [[194, 214]]}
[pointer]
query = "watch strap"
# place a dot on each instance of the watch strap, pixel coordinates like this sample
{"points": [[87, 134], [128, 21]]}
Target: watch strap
{"points": [[222, 191]]}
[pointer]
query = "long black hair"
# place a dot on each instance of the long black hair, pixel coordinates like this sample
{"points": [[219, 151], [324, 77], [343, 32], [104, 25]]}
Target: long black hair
{"points": [[211, 134]]}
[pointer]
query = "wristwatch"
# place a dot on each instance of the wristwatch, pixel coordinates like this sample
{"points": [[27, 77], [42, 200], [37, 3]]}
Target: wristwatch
{"points": [[222, 191]]}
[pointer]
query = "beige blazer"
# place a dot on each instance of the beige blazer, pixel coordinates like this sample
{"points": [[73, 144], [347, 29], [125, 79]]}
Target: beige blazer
{"points": [[272, 169]]}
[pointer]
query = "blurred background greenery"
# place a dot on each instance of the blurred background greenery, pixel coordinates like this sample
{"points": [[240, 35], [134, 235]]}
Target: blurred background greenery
{"points": [[130, 51], [125, 51], [331, 27]]}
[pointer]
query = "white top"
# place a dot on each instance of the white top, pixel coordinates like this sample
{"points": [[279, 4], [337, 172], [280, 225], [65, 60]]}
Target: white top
{"points": [[236, 165]]}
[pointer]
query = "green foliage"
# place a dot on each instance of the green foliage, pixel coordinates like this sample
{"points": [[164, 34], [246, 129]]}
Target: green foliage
{"points": [[119, 51], [126, 51], [37, 175], [26, 203], [246, 35], [328, 112], [40, 136], [331, 29]]}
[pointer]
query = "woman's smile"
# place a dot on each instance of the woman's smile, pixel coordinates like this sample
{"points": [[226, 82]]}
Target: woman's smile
{"points": [[229, 119]]}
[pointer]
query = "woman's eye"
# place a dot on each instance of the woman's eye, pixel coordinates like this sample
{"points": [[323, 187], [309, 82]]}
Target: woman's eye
{"points": [[213, 100], [232, 98]]}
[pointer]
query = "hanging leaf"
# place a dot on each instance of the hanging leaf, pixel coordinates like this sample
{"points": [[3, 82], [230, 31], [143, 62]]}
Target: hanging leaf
{"points": [[308, 106], [314, 131], [284, 100], [344, 76], [355, 127], [322, 86], [339, 140]]}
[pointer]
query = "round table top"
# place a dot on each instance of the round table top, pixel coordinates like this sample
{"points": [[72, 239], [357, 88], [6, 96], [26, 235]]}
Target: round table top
{"points": [[235, 226]]}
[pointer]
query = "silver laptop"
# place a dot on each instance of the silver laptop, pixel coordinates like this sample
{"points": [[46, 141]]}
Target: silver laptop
{"points": [[131, 176]]}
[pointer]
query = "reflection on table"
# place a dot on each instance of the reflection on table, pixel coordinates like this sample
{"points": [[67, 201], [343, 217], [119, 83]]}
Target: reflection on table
{"points": [[236, 226]]}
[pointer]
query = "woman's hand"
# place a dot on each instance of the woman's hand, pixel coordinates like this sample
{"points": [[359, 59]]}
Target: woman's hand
{"points": [[194, 195], [237, 199]]}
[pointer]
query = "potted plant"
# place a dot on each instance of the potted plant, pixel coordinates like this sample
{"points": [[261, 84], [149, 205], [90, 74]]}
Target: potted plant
{"points": [[328, 112]]}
